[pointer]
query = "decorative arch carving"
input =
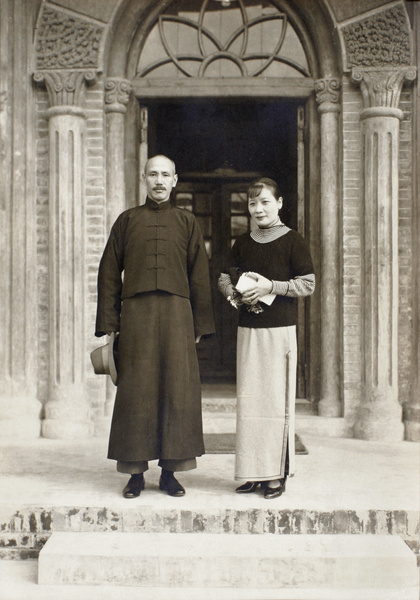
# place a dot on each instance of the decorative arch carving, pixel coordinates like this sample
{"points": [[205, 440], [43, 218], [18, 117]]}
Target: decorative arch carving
{"points": [[382, 39], [66, 41]]}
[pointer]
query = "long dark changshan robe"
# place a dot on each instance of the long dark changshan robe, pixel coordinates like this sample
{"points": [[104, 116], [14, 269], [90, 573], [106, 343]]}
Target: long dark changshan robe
{"points": [[154, 288]]}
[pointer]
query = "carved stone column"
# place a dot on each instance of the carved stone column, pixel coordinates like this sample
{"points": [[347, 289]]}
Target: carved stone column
{"points": [[327, 96], [67, 410], [117, 93], [380, 412], [20, 409]]}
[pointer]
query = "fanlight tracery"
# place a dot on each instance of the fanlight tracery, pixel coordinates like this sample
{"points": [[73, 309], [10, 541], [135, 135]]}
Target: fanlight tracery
{"points": [[257, 36]]}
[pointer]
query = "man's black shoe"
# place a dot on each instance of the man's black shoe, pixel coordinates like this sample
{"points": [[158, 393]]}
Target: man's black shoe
{"points": [[169, 484], [134, 486]]}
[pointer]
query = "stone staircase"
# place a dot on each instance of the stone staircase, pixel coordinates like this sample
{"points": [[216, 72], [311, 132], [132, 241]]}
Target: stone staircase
{"points": [[347, 528], [244, 566]]}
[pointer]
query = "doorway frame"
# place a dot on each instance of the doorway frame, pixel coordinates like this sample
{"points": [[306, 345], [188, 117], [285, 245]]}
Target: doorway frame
{"points": [[323, 192], [249, 91], [297, 189]]}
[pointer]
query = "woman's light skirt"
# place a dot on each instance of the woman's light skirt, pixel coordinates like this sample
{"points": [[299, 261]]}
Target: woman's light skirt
{"points": [[266, 389]]}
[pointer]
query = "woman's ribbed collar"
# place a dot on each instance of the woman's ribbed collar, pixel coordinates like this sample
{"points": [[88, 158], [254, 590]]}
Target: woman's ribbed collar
{"points": [[263, 236]]}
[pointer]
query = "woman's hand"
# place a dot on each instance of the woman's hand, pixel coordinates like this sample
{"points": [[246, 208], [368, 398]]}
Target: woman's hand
{"points": [[262, 287]]}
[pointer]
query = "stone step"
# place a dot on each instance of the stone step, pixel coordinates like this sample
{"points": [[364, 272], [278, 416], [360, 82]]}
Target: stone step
{"points": [[18, 581], [274, 562], [219, 417], [224, 443], [221, 398], [223, 422]]}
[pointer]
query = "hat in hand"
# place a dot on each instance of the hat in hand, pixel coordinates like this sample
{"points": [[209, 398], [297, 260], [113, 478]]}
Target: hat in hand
{"points": [[103, 359]]}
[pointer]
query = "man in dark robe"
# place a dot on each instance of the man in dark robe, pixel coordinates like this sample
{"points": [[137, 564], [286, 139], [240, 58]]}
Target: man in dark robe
{"points": [[154, 290]]}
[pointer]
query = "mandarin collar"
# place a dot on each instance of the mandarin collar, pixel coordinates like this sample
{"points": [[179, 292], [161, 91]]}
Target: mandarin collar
{"points": [[158, 206]]}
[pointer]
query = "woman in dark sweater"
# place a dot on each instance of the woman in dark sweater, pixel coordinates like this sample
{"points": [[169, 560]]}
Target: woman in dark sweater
{"points": [[276, 269]]}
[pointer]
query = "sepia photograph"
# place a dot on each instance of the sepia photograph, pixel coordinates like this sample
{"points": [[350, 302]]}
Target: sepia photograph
{"points": [[210, 317]]}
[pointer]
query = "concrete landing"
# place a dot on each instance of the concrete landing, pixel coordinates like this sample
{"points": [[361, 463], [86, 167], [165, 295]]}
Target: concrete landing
{"points": [[337, 474]]}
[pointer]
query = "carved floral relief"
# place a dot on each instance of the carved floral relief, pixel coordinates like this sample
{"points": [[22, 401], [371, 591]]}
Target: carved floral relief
{"points": [[380, 40], [65, 41]]}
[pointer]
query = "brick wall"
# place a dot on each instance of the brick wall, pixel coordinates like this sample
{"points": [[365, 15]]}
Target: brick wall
{"points": [[96, 233], [42, 178], [352, 207], [405, 245]]}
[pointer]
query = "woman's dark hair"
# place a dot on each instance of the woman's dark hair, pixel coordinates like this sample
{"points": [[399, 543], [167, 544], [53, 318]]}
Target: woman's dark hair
{"points": [[264, 182]]}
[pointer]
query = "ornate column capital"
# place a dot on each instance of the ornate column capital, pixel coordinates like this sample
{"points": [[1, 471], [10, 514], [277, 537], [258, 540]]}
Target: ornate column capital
{"points": [[327, 94], [117, 94], [66, 88], [381, 88]]}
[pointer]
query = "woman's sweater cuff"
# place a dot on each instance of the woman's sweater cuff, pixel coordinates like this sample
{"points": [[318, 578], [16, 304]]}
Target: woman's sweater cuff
{"points": [[280, 288]]}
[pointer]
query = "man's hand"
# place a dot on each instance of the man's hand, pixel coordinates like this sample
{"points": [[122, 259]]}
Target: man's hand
{"points": [[262, 287], [197, 339]]}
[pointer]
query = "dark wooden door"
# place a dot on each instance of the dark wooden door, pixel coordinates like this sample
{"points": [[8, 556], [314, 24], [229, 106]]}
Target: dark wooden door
{"points": [[220, 206], [247, 138]]}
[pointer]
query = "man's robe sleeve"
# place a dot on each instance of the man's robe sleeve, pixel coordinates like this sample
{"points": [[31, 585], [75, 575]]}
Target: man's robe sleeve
{"points": [[110, 282], [199, 282]]}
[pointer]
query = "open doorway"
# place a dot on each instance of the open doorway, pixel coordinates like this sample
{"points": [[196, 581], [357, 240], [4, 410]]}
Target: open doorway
{"points": [[245, 136], [220, 147]]}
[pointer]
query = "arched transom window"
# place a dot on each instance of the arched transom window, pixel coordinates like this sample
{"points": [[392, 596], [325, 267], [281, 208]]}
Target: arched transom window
{"points": [[222, 38]]}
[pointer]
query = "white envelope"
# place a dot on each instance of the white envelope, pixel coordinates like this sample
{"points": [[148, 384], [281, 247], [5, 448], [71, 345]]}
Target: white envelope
{"points": [[247, 282]]}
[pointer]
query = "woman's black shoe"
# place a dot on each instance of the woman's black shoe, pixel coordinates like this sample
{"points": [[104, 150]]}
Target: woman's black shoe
{"points": [[134, 486], [275, 492], [249, 487]]}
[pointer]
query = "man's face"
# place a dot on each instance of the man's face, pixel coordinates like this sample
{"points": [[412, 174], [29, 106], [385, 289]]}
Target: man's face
{"points": [[160, 178]]}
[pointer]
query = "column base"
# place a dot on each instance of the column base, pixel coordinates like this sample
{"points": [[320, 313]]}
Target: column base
{"points": [[329, 407], [379, 430], [412, 431], [380, 418], [411, 414]]}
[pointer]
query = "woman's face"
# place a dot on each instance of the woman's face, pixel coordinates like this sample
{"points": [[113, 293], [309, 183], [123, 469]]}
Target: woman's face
{"points": [[265, 208]]}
